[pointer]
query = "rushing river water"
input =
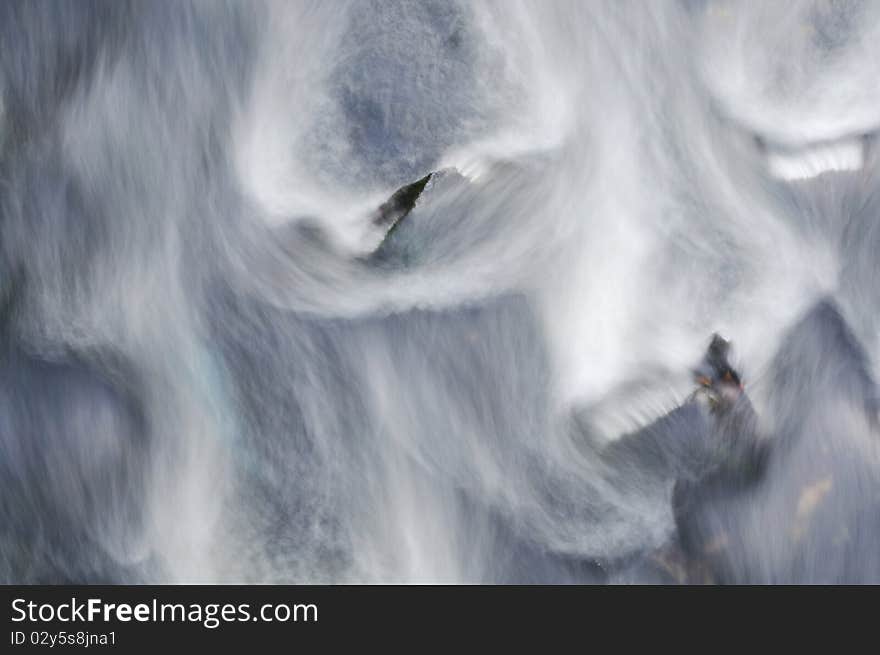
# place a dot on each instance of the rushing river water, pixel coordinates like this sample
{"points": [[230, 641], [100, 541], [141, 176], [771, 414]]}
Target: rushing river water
{"points": [[216, 366]]}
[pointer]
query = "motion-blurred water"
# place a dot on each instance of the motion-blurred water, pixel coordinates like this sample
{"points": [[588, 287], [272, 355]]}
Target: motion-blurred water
{"points": [[210, 373]]}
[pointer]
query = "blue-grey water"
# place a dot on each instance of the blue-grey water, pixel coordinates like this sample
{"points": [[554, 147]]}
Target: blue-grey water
{"points": [[215, 367]]}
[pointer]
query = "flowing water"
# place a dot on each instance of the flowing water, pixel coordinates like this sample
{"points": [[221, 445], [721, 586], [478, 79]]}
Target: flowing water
{"points": [[214, 369]]}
